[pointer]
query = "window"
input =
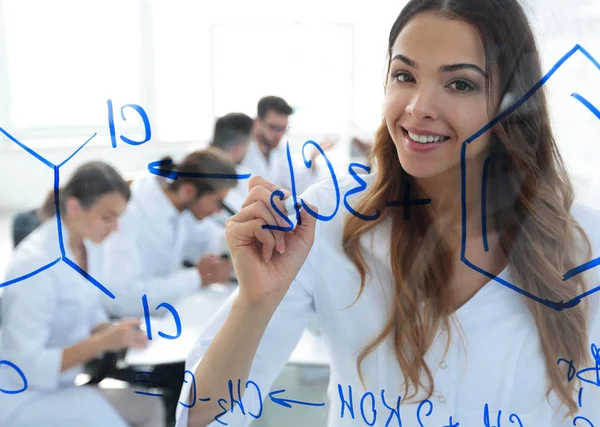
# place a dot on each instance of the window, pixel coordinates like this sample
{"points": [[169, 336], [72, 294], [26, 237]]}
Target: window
{"points": [[65, 58], [309, 65]]}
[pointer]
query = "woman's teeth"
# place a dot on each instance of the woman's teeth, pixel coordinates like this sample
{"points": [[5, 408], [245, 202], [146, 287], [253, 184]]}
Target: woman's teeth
{"points": [[424, 139]]}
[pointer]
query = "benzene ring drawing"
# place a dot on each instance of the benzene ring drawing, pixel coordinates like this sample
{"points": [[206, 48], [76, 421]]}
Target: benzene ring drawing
{"points": [[63, 256], [556, 305]]}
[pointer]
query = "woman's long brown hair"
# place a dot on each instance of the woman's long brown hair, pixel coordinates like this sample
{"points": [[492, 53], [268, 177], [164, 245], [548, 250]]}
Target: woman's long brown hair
{"points": [[527, 183]]}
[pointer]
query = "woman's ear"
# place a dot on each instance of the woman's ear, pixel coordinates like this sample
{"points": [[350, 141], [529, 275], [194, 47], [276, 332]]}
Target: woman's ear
{"points": [[72, 206], [188, 190]]}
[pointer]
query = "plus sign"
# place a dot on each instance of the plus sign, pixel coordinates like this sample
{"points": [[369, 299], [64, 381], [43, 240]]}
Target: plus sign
{"points": [[452, 423], [406, 203]]}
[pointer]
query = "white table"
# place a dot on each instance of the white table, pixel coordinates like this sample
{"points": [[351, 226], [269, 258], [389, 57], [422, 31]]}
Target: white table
{"points": [[195, 313]]}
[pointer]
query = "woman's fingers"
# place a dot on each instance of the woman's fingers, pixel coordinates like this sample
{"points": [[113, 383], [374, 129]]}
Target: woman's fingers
{"points": [[259, 181], [249, 231], [266, 195], [262, 209]]}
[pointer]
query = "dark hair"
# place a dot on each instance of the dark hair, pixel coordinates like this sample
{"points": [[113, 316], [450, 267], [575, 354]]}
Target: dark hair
{"points": [[273, 103], [231, 130], [88, 183], [530, 201], [207, 161]]}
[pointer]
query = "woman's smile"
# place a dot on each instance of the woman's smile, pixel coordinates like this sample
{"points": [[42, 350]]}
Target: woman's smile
{"points": [[423, 140]]}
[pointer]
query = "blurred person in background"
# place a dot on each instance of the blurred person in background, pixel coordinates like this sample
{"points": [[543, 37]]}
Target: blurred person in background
{"points": [[54, 321], [232, 134], [266, 154], [161, 228], [165, 249]]}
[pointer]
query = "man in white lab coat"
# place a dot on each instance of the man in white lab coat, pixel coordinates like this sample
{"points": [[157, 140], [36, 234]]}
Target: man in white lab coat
{"points": [[232, 133], [161, 228], [267, 154]]}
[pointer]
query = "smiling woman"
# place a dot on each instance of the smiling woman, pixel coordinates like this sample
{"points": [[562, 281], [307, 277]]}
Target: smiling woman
{"points": [[412, 306]]}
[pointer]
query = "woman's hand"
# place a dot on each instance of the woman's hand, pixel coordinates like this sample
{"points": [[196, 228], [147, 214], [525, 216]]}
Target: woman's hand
{"points": [[266, 261], [123, 334]]}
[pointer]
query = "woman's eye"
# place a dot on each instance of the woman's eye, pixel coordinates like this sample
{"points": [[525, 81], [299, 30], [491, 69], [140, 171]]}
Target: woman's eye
{"points": [[462, 86], [402, 77]]}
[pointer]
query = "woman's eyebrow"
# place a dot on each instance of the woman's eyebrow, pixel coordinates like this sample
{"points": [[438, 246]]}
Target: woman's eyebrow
{"points": [[443, 68]]}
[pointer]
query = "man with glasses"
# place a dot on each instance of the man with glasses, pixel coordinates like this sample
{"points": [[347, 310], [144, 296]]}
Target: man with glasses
{"points": [[267, 157]]}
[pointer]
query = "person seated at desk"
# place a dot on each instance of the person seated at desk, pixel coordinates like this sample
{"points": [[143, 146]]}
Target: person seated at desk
{"points": [[27, 221], [232, 134], [159, 228], [54, 321]]}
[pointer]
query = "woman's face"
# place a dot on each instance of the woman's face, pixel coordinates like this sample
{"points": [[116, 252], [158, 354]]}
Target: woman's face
{"points": [[436, 95], [99, 220]]}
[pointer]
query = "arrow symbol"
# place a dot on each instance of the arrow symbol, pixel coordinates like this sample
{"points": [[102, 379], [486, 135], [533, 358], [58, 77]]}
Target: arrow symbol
{"points": [[287, 402]]}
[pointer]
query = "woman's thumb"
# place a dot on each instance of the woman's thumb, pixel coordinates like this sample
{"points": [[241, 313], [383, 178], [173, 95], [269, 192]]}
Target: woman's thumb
{"points": [[306, 226]]}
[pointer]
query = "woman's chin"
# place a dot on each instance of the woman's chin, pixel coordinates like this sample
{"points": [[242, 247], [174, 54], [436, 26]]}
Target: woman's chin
{"points": [[420, 170]]}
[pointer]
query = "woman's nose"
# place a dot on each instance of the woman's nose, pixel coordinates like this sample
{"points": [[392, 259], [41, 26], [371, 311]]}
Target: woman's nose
{"points": [[424, 104]]}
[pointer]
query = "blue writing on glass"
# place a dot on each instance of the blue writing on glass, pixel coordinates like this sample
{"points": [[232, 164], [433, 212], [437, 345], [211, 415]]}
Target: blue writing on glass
{"points": [[19, 372], [406, 203], [424, 409], [596, 369], [111, 124], [426, 401], [572, 371], [486, 166], [486, 417], [259, 398], [171, 310], [233, 399], [393, 411], [308, 164], [373, 410], [192, 388], [147, 381], [452, 423], [582, 418], [288, 402], [513, 418], [63, 256], [154, 169], [221, 403], [555, 305], [279, 194], [362, 186], [587, 104], [349, 403]]}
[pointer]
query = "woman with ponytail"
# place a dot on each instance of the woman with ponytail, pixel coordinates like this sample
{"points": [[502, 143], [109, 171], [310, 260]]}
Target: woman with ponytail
{"points": [[459, 301], [54, 322]]}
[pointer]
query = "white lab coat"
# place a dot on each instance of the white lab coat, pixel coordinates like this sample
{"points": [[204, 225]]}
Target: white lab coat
{"points": [[500, 364], [42, 315], [145, 255]]}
